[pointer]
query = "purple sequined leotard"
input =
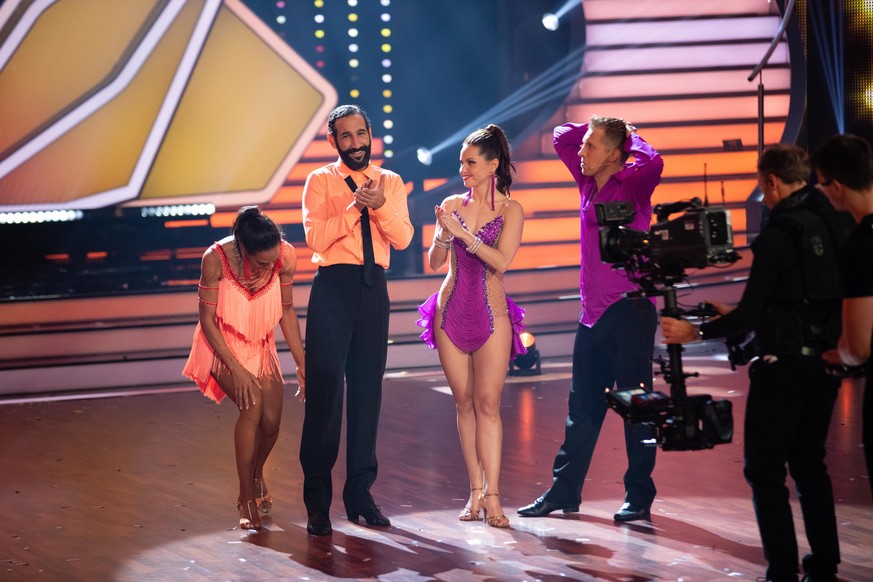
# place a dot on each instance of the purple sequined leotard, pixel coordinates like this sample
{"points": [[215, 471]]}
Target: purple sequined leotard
{"points": [[471, 296]]}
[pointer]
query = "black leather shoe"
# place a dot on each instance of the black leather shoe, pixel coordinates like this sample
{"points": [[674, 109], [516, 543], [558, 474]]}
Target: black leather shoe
{"points": [[815, 571], [541, 507], [372, 515], [630, 512], [318, 524]]}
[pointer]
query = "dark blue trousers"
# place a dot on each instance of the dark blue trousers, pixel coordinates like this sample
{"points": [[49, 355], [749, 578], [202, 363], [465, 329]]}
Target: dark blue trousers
{"points": [[616, 352], [346, 343], [788, 414]]}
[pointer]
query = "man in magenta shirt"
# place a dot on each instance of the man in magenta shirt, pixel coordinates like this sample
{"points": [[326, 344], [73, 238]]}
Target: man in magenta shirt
{"points": [[616, 334]]}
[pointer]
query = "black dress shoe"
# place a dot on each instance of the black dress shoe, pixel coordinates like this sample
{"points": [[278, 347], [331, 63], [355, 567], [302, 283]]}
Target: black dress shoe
{"points": [[318, 524], [541, 507], [630, 512], [816, 571], [372, 515]]}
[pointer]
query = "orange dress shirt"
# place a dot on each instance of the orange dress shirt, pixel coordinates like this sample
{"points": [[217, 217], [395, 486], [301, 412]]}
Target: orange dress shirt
{"points": [[333, 224]]}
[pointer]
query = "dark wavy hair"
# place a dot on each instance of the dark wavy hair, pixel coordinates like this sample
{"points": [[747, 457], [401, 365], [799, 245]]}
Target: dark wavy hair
{"points": [[345, 111], [493, 144], [255, 231]]}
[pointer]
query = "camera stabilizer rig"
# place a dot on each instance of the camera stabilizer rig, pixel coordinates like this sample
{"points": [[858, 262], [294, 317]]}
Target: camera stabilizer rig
{"points": [[656, 261]]}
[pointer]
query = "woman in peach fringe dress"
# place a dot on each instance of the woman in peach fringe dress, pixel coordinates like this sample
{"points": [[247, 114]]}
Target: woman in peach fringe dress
{"points": [[245, 291]]}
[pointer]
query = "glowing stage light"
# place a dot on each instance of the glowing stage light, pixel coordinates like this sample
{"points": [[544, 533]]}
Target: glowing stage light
{"points": [[554, 81], [527, 364], [178, 210], [40, 216], [424, 156], [550, 21]]}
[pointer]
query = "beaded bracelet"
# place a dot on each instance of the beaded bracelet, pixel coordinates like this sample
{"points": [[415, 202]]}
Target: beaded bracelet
{"points": [[474, 246], [443, 244]]}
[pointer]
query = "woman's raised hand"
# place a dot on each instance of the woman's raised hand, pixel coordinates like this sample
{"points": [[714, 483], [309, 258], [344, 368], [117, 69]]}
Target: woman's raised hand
{"points": [[449, 222]]}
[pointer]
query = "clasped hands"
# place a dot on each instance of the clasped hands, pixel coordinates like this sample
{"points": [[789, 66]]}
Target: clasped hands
{"points": [[447, 222], [370, 195]]}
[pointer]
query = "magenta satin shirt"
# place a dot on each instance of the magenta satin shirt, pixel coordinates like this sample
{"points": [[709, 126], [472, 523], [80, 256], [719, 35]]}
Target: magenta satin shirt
{"points": [[599, 284]]}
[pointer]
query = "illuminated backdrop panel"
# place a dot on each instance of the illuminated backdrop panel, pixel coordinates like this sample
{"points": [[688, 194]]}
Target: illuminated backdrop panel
{"points": [[172, 101]]}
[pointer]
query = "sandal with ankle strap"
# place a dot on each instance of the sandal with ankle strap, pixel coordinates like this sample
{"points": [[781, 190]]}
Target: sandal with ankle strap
{"points": [[248, 515], [468, 514], [494, 521], [262, 496]]}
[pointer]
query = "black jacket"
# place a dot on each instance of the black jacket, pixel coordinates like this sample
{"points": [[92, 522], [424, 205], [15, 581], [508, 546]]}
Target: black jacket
{"points": [[792, 299]]}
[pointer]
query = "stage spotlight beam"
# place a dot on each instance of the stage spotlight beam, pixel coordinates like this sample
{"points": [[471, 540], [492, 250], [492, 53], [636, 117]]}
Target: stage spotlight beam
{"points": [[425, 156], [550, 21], [555, 80]]}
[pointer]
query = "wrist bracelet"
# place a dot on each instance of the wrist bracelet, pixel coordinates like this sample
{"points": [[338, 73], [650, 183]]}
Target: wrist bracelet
{"points": [[474, 246], [443, 244]]}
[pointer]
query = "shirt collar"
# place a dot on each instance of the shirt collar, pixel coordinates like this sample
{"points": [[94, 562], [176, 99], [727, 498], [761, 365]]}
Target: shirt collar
{"points": [[343, 170]]}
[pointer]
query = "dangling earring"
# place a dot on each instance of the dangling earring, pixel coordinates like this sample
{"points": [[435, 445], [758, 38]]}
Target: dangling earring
{"points": [[469, 196], [492, 191]]}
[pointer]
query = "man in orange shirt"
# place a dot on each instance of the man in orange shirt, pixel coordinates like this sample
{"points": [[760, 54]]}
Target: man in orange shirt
{"points": [[353, 213]]}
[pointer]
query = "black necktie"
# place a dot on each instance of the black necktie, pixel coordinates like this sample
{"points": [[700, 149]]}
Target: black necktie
{"points": [[367, 236]]}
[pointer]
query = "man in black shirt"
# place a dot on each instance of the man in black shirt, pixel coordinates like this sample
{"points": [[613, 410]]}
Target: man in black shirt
{"points": [[844, 168], [792, 302]]}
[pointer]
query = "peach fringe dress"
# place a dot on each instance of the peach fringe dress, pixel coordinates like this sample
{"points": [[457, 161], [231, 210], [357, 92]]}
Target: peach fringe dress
{"points": [[247, 321]]}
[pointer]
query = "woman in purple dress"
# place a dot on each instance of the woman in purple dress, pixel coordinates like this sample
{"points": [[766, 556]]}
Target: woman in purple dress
{"points": [[471, 322]]}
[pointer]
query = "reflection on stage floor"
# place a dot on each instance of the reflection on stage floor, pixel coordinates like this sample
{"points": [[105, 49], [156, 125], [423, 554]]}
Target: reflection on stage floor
{"points": [[143, 487]]}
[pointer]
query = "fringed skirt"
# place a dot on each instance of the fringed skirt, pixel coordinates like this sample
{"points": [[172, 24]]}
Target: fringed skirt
{"points": [[469, 335], [258, 357]]}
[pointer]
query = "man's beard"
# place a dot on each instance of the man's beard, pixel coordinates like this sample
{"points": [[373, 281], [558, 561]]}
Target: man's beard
{"points": [[346, 157]]}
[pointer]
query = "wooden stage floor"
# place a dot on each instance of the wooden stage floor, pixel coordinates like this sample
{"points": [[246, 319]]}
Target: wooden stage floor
{"points": [[143, 487]]}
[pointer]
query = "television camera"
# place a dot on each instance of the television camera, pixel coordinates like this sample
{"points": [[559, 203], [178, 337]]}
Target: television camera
{"points": [[656, 260]]}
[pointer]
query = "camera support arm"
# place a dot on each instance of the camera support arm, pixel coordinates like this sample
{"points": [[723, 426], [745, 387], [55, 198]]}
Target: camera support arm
{"points": [[672, 370], [674, 374], [682, 422]]}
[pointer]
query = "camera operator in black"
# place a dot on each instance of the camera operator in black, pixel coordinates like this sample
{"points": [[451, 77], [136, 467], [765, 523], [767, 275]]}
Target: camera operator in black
{"points": [[792, 302], [844, 168]]}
